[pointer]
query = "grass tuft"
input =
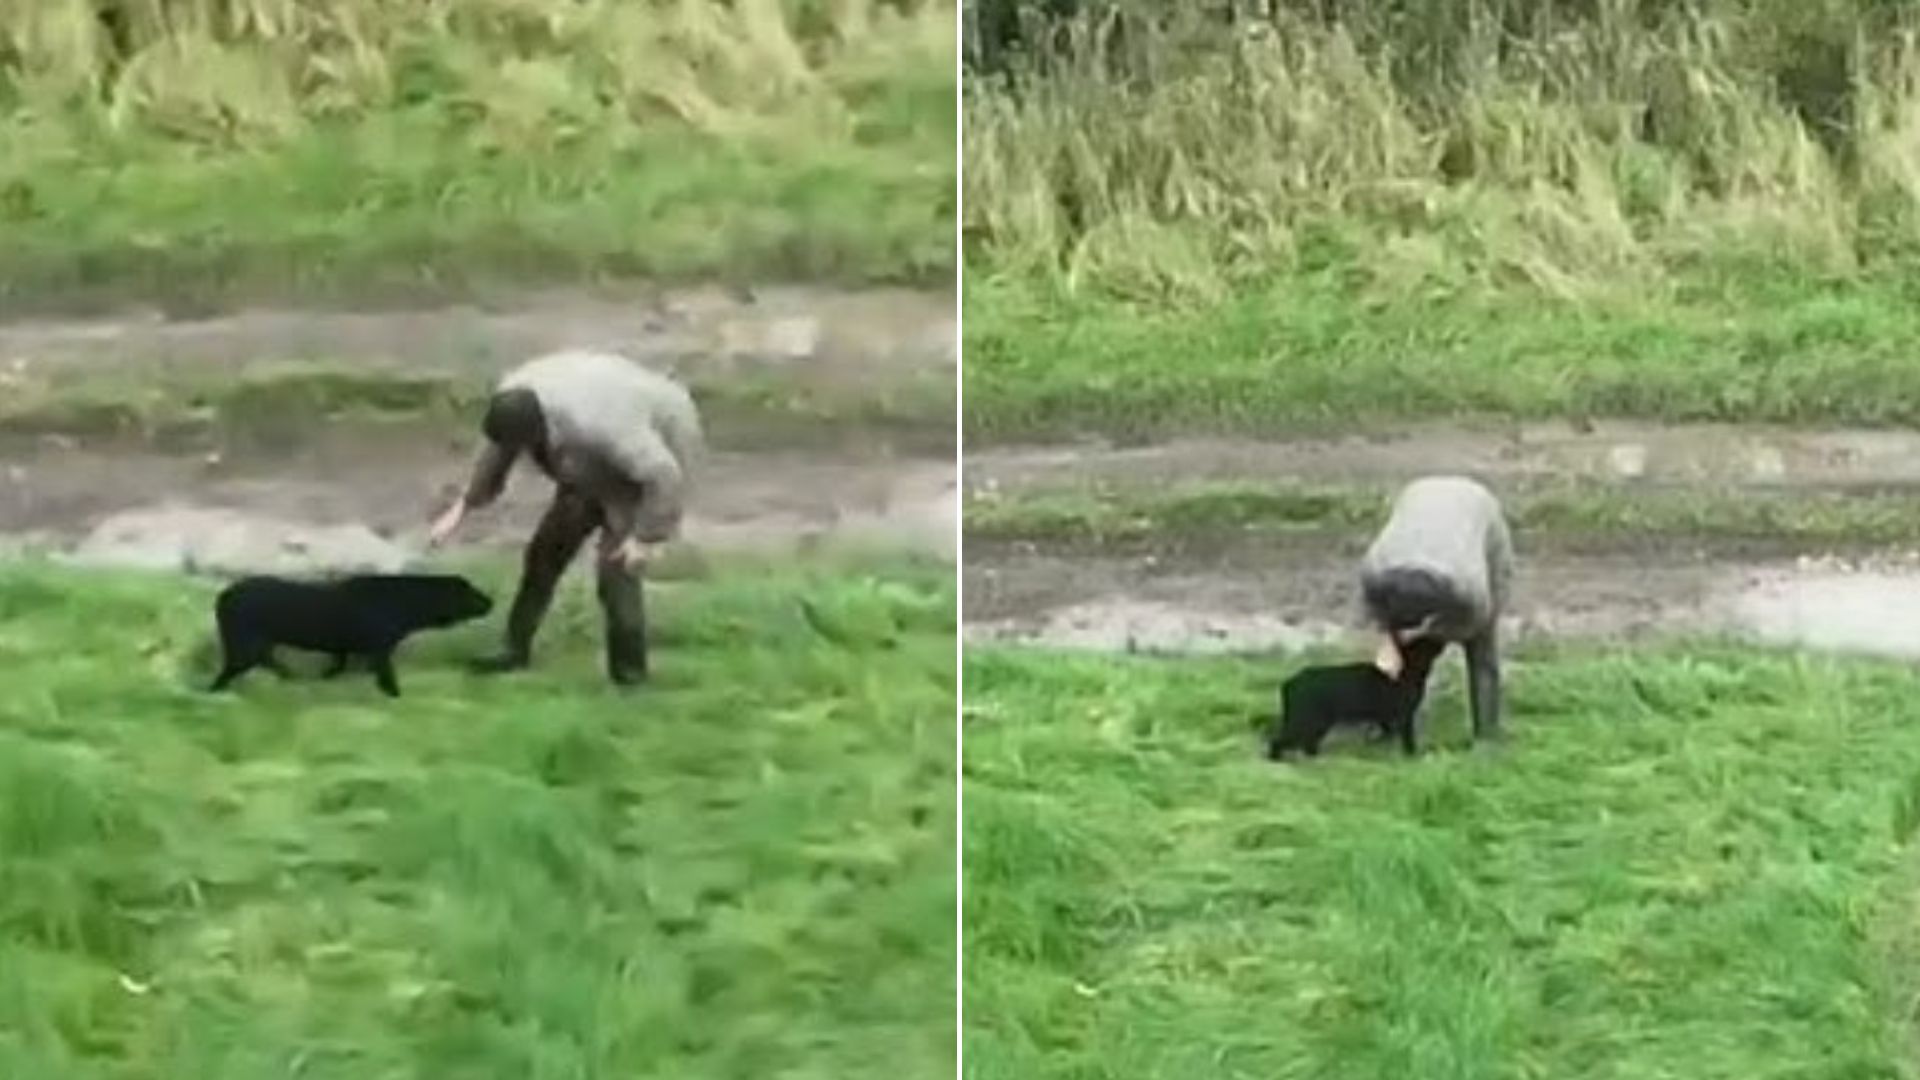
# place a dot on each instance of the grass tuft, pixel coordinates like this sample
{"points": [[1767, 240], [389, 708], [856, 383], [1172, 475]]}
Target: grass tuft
{"points": [[284, 403], [1563, 514]]}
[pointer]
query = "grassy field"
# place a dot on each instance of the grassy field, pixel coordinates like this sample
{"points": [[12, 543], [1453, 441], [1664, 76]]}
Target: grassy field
{"points": [[1352, 214], [1689, 863], [1305, 353], [199, 152], [1556, 516], [744, 869]]}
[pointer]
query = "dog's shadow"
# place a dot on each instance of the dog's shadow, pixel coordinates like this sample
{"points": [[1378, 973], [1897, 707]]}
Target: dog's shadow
{"points": [[455, 652]]}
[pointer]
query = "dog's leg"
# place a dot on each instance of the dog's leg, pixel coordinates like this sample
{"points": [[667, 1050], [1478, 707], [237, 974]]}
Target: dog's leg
{"points": [[231, 670], [1407, 738], [1483, 684], [382, 665], [339, 667], [562, 531], [1311, 738], [239, 655]]}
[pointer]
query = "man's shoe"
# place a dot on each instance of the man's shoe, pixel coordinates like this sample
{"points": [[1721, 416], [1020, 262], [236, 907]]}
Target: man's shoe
{"points": [[627, 671]]}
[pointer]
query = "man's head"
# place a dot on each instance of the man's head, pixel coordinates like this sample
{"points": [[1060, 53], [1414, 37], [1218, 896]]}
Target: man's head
{"points": [[1409, 602], [514, 420]]}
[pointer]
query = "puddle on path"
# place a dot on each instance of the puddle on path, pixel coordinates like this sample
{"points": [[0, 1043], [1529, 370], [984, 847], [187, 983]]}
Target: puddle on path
{"points": [[1111, 605], [1875, 614]]}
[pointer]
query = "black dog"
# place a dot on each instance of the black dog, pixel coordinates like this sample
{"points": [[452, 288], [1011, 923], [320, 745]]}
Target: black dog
{"points": [[367, 616], [1317, 698]]}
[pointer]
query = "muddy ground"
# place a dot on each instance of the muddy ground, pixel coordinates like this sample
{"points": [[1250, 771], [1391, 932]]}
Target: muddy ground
{"points": [[888, 489], [1264, 592]]}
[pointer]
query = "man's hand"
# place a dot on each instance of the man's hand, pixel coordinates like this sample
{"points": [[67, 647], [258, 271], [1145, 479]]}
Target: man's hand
{"points": [[446, 523], [629, 554], [1388, 659]]}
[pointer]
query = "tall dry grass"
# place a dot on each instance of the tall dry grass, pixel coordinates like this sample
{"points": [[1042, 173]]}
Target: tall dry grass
{"points": [[1575, 154], [526, 72]]}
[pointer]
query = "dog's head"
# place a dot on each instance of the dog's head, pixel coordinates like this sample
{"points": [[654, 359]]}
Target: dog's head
{"points": [[1417, 656], [437, 600], [456, 600]]}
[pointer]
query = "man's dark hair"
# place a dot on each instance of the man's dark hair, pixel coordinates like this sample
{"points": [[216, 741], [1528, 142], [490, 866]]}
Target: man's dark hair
{"points": [[1402, 598], [514, 419]]}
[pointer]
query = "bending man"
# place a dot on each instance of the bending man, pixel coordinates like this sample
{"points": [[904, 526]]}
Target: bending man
{"points": [[620, 443], [1442, 567]]}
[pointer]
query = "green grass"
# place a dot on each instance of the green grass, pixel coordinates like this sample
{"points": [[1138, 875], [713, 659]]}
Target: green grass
{"points": [[348, 151], [1305, 353], [365, 214], [743, 869], [1690, 863], [1559, 514]]}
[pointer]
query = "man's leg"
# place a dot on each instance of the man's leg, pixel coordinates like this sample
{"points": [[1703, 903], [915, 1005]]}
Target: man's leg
{"points": [[622, 603], [568, 522], [1483, 683]]}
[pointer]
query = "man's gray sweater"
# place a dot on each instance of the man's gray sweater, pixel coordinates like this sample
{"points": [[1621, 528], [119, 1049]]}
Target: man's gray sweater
{"points": [[1446, 538], [628, 438]]}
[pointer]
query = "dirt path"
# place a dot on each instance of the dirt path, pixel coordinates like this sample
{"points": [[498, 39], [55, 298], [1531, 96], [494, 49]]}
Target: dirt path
{"points": [[390, 475], [1287, 593], [847, 338]]}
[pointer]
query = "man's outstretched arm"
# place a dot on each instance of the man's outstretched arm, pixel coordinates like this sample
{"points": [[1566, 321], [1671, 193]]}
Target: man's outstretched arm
{"points": [[484, 485]]}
